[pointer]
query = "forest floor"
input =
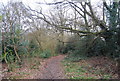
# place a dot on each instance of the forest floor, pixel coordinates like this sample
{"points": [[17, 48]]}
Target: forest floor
{"points": [[53, 69], [58, 68], [98, 67], [37, 68]]}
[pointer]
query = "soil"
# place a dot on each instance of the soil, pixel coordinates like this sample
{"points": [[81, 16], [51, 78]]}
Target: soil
{"points": [[52, 68], [108, 64]]}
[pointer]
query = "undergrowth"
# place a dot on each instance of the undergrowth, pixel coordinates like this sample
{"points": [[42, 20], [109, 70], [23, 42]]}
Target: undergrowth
{"points": [[83, 70], [75, 56]]}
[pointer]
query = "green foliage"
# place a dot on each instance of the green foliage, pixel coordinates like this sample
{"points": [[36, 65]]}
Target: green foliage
{"points": [[33, 49], [93, 46], [0, 17], [76, 50], [23, 47], [8, 47], [112, 35], [83, 70], [71, 45], [35, 53], [98, 48], [75, 56], [33, 45], [8, 57], [106, 44], [59, 48], [45, 54], [68, 47]]}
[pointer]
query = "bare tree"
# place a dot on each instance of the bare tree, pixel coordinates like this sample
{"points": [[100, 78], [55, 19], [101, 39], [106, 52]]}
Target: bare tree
{"points": [[13, 17], [88, 23]]}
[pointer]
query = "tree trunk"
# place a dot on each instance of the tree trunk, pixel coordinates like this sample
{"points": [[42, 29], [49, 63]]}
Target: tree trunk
{"points": [[118, 67]]}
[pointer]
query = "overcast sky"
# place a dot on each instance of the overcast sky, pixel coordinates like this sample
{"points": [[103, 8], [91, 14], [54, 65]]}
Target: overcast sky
{"points": [[33, 3]]}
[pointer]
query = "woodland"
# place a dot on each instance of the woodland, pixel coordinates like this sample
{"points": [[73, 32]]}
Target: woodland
{"points": [[80, 39]]}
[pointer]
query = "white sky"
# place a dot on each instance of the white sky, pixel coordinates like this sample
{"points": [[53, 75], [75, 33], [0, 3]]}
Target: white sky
{"points": [[34, 5], [31, 3]]}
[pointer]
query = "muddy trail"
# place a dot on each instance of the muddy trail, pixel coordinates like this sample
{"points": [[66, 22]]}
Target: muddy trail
{"points": [[52, 68]]}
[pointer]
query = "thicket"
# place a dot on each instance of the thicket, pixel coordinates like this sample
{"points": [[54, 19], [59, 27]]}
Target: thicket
{"points": [[105, 44], [17, 42], [82, 49], [100, 37]]}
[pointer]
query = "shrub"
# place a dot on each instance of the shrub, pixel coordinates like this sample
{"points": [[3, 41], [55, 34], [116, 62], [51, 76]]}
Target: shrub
{"points": [[13, 45], [45, 54], [33, 47], [75, 56], [59, 48], [97, 49], [22, 49], [69, 47]]}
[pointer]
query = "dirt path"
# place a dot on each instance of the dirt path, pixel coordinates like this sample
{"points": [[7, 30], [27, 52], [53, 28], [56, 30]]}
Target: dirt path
{"points": [[52, 69]]}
